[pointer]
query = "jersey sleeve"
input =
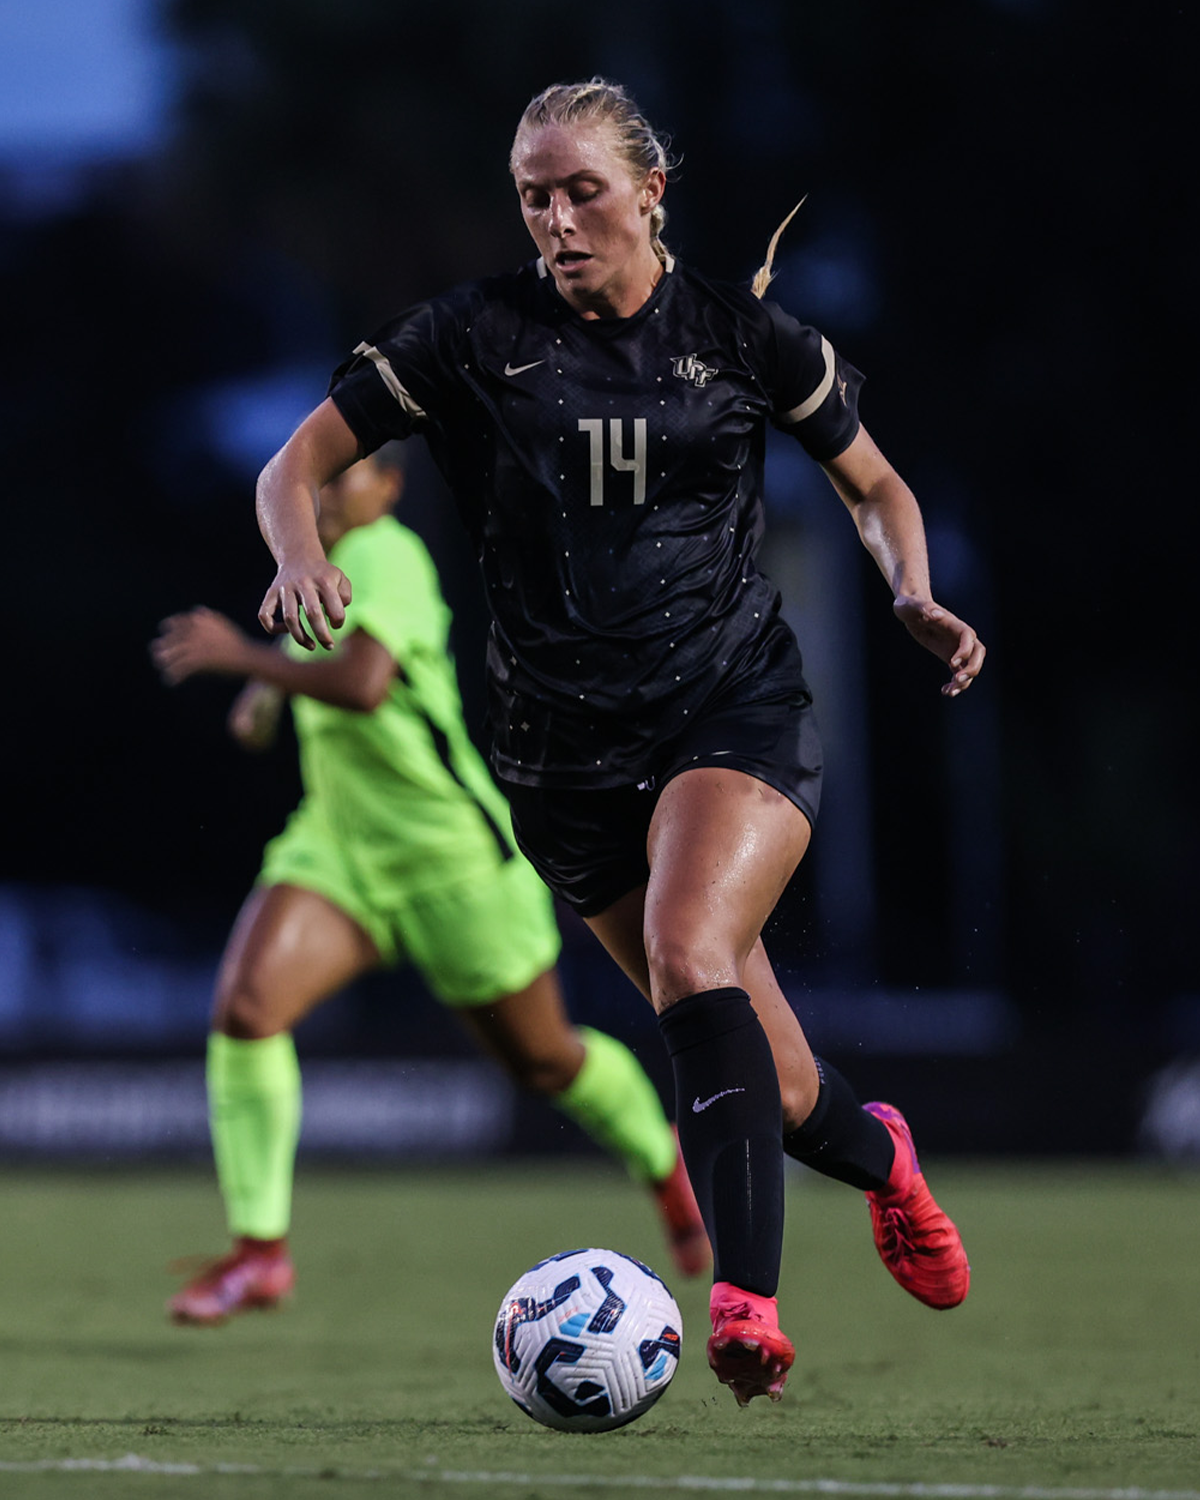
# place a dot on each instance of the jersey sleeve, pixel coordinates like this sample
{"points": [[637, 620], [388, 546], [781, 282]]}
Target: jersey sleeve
{"points": [[815, 391], [397, 596], [401, 378]]}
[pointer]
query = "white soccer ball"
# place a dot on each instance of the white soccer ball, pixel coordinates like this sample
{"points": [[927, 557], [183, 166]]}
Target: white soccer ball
{"points": [[587, 1340]]}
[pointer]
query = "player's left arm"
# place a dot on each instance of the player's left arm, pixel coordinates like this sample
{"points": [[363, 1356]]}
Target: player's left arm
{"points": [[253, 718], [201, 641], [888, 519]]}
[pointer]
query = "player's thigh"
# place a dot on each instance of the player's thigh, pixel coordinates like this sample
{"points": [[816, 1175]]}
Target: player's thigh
{"points": [[290, 949], [722, 846], [620, 930], [488, 934]]}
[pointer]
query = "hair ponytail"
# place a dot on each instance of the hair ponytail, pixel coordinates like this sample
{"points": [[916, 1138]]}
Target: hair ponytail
{"points": [[764, 275]]}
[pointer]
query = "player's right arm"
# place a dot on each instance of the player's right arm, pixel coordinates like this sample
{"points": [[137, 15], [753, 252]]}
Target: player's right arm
{"points": [[203, 642], [288, 502]]}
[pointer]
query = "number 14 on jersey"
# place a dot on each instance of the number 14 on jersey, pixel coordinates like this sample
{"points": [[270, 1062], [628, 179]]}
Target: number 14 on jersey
{"points": [[618, 459]]}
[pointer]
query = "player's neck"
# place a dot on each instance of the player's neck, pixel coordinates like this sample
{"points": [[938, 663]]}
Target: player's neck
{"points": [[624, 296]]}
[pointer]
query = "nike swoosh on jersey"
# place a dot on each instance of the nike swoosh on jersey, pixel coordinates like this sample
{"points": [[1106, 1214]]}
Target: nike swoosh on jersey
{"points": [[697, 1106], [520, 369]]}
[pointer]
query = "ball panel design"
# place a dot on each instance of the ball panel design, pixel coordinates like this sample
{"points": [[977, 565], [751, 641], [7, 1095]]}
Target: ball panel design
{"points": [[587, 1340]]}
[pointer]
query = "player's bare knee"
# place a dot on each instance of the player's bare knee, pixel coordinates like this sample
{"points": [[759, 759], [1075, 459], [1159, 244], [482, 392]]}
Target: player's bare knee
{"points": [[544, 1076], [242, 1011], [685, 964], [798, 1098]]}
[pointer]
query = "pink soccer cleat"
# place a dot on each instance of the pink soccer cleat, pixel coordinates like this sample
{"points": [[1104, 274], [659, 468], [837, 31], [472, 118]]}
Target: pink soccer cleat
{"points": [[687, 1237], [917, 1242], [255, 1274], [747, 1351]]}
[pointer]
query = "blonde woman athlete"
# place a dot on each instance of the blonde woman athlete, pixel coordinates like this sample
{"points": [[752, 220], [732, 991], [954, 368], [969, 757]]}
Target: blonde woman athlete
{"points": [[401, 850], [600, 415]]}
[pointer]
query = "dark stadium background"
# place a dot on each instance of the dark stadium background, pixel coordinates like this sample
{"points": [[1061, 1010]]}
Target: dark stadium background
{"points": [[999, 920]]}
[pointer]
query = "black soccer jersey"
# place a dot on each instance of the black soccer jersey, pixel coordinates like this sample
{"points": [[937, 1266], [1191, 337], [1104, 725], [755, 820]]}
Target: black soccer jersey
{"points": [[610, 474]]}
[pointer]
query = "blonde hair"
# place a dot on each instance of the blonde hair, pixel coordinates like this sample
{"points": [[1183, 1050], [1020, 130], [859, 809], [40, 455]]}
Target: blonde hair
{"points": [[598, 101], [765, 275]]}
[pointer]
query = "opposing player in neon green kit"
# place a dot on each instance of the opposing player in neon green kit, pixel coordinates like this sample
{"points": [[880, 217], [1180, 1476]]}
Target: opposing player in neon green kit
{"points": [[400, 850]]}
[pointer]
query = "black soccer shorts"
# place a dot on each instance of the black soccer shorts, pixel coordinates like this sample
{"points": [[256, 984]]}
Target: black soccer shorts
{"points": [[589, 846]]}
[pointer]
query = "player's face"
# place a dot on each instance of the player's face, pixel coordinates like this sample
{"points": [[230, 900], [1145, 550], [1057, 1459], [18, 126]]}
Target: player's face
{"points": [[362, 494], [589, 217]]}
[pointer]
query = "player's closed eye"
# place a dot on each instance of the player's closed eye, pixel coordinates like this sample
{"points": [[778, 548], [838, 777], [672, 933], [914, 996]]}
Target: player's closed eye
{"points": [[539, 202]]}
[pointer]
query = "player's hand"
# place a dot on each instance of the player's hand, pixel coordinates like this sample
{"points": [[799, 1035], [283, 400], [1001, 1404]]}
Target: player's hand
{"points": [[315, 594], [950, 639], [200, 640], [254, 717]]}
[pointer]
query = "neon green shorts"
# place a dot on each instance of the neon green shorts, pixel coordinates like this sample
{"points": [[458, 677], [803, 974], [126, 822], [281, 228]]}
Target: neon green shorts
{"points": [[486, 932]]}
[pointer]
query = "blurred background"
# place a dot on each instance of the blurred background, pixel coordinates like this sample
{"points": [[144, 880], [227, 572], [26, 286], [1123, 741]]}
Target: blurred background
{"points": [[205, 204]]}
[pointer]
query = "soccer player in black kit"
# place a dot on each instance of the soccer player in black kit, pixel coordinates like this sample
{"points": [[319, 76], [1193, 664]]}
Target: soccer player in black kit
{"points": [[600, 417]]}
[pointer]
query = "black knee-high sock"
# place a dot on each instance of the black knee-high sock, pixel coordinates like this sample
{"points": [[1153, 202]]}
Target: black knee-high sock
{"points": [[840, 1139], [728, 1113]]}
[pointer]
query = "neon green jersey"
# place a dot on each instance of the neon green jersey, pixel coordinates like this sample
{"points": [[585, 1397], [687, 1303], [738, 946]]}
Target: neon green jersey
{"points": [[402, 790]]}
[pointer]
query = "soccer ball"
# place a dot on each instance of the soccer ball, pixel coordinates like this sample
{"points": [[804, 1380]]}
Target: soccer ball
{"points": [[587, 1340]]}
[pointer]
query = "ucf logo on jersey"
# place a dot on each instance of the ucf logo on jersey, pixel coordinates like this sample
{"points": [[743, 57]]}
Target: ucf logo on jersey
{"points": [[688, 367]]}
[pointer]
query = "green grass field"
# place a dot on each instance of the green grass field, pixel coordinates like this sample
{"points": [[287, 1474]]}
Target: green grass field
{"points": [[1073, 1369]]}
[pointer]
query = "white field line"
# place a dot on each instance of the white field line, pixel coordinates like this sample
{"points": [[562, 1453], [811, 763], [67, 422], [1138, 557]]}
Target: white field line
{"points": [[133, 1463]]}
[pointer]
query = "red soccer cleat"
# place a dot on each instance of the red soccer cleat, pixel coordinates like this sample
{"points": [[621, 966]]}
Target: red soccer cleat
{"points": [[255, 1274], [917, 1242], [747, 1351], [686, 1234]]}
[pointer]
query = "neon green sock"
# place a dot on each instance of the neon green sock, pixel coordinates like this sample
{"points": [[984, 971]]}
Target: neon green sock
{"points": [[254, 1117], [618, 1106]]}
